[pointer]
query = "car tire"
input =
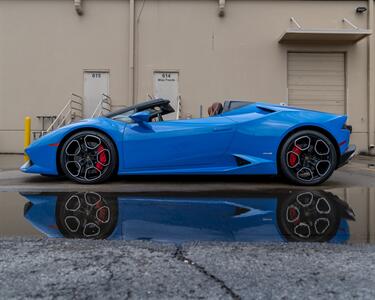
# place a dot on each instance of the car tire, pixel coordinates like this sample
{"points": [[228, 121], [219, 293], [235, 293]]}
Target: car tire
{"points": [[88, 157], [307, 157]]}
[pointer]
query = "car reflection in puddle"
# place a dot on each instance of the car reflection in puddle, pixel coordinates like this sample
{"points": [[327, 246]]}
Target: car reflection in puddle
{"points": [[309, 216]]}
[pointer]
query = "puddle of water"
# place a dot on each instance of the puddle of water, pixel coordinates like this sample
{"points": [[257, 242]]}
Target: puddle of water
{"points": [[337, 216]]}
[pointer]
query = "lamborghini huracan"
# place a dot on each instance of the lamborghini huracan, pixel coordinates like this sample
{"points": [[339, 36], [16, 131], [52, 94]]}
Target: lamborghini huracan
{"points": [[238, 138]]}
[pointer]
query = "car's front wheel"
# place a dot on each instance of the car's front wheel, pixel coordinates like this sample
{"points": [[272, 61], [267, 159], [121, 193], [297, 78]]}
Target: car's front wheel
{"points": [[88, 157], [308, 157]]}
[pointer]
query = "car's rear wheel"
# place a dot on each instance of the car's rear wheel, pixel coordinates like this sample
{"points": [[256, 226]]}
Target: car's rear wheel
{"points": [[308, 157], [88, 157]]}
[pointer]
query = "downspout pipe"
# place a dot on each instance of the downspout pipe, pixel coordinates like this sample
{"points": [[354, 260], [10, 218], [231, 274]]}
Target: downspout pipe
{"points": [[131, 50], [371, 81], [78, 7]]}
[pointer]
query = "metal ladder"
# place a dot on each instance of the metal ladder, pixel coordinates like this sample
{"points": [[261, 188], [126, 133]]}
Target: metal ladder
{"points": [[72, 112], [104, 106], [179, 107]]}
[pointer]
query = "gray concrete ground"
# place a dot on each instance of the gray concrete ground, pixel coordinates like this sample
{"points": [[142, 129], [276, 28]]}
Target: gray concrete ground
{"points": [[81, 269], [10, 161], [358, 173]]}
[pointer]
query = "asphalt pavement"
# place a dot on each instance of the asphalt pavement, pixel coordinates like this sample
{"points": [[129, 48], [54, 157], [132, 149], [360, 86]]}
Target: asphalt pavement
{"points": [[83, 269]]}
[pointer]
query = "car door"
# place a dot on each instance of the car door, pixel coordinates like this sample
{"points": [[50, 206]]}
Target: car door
{"points": [[178, 144]]}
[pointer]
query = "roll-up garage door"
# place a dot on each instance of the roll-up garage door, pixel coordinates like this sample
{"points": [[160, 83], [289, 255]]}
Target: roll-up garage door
{"points": [[317, 81]]}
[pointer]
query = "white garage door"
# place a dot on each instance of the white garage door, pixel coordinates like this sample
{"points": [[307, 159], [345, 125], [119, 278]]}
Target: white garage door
{"points": [[317, 81]]}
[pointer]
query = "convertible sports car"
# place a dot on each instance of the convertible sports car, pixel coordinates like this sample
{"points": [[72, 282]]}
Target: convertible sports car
{"points": [[238, 137]]}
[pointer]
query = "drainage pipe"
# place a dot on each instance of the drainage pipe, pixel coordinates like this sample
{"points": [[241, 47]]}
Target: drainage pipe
{"points": [[131, 50], [371, 81]]}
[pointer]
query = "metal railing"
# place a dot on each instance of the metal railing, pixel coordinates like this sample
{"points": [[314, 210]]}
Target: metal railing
{"points": [[72, 112], [104, 106], [179, 107]]}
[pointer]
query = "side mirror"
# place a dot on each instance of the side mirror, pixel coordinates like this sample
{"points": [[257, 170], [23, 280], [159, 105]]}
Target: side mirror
{"points": [[141, 117]]}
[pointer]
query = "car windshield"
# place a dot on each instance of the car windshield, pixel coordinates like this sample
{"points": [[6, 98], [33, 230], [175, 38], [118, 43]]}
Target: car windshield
{"points": [[124, 117], [156, 107], [155, 115]]}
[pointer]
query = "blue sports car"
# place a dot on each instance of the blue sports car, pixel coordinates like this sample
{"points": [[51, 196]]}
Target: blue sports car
{"points": [[239, 137]]}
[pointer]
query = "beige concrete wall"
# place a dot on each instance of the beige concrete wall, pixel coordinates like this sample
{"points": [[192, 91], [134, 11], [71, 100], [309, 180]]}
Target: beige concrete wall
{"points": [[238, 56], [45, 46]]}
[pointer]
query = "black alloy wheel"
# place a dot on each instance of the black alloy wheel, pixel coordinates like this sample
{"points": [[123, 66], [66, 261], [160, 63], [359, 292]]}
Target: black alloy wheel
{"points": [[308, 158], [88, 157]]}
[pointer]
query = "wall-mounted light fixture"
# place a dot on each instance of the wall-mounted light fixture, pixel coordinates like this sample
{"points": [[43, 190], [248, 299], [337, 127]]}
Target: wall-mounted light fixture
{"points": [[361, 9], [78, 7], [221, 8]]}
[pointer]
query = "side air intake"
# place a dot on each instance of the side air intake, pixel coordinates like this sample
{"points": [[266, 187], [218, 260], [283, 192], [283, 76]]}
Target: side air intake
{"points": [[266, 109], [242, 162]]}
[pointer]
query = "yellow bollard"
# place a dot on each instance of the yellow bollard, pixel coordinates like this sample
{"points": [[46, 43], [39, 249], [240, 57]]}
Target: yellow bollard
{"points": [[27, 136]]}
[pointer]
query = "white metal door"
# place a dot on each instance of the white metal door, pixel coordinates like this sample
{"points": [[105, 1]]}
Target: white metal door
{"points": [[95, 85], [317, 81], [166, 87]]}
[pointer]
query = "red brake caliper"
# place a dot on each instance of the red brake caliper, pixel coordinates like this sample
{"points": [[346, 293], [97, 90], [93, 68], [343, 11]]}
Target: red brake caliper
{"points": [[102, 158], [102, 215], [293, 214], [293, 157]]}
